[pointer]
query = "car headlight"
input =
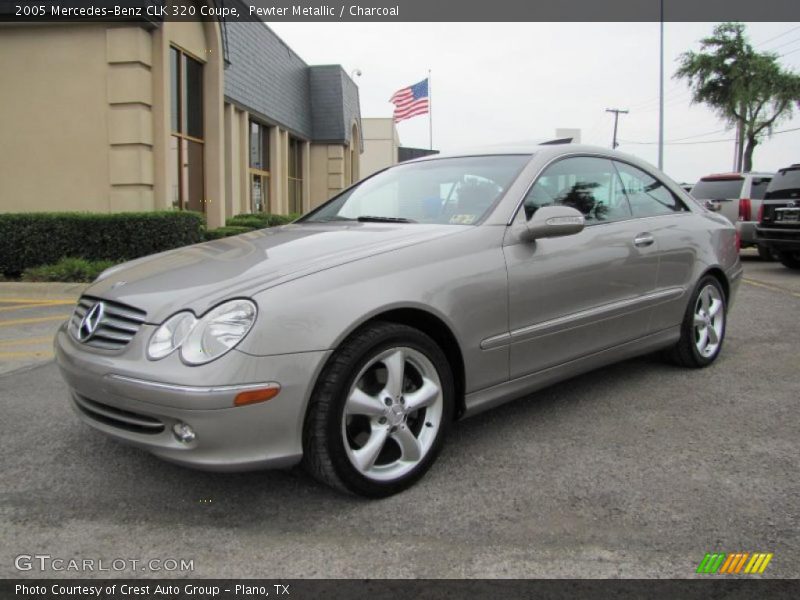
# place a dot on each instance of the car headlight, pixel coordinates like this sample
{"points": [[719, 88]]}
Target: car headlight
{"points": [[219, 330], [170, 335]]}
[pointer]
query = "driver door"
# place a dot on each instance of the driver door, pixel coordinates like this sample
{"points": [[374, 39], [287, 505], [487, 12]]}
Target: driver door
{"points": [[576, 295]]}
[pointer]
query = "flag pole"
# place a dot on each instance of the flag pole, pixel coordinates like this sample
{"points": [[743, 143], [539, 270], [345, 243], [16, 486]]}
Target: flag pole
{"points": [[430, 111]]}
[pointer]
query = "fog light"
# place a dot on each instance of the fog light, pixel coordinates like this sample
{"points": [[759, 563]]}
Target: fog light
{"points": [[183, 433]]}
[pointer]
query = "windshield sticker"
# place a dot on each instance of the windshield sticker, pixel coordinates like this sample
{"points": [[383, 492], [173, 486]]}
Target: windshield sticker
{"points": [[463, 219]]}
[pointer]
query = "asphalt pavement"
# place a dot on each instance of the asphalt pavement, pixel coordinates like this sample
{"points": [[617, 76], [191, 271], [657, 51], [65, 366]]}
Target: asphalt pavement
{"points": [[635, 470]]}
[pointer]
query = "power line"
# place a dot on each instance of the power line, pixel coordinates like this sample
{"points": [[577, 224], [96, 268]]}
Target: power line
{"points": [[789, 43], [780, 35], [679, 143]]}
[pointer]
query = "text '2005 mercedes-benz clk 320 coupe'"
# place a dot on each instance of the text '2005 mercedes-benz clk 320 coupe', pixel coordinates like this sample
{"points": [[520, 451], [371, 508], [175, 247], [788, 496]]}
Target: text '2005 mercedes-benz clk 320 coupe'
{"points": [[349, 340]]}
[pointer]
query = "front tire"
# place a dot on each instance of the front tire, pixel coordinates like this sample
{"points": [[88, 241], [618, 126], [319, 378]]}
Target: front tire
{"points": [[703, 327], [379, 411], [790, 260]]}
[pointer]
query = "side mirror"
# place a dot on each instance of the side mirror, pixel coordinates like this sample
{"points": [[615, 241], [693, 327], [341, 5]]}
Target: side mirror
{"points": [[554, 221], [712, 205]]}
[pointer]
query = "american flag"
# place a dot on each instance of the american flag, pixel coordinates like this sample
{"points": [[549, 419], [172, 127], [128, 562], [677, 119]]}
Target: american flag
{"points": [[410, 101]]}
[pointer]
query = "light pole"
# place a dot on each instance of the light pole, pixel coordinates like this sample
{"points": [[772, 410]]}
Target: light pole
{"points": [[661, 90]]}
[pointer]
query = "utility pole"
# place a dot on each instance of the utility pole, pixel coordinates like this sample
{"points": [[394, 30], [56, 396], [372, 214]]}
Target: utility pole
{"points": [[616, 112]]}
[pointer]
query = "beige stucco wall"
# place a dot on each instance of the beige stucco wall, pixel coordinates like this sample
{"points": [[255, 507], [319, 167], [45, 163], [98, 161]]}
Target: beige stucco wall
{"points": [[85, 125], [380, 145], [54, 128]]}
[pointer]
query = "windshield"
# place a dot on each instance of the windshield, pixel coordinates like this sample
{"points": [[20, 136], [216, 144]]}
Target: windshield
{"points": [[457, 191]]}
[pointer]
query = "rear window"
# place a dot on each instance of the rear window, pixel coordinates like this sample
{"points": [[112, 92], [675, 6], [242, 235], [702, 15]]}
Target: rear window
{"points": [[785, 184], [759, 187], [717, 189]]}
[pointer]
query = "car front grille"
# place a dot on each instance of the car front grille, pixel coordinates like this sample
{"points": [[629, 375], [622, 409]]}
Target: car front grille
{"points": [[116, 417], [117, 323]]}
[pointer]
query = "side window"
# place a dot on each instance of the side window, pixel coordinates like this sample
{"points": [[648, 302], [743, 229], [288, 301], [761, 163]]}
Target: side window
{"points": [[647, 195], [588, 184], [759, 187]]}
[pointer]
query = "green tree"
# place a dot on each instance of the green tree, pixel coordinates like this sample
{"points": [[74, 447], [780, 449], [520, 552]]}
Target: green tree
{"points": [[744, 87]]}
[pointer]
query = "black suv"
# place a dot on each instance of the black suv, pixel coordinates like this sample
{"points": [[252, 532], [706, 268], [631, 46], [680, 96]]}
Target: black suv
{"points": [[779, 217]]}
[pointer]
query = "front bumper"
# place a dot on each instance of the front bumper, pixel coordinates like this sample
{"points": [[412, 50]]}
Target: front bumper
{"points": [[138, 402]]}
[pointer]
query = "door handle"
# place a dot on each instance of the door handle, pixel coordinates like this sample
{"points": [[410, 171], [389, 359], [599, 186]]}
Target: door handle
{"points": [[643, 239]]}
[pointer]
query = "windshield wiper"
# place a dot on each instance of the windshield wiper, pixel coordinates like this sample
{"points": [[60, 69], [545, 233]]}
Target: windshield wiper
{"points": [[371, 219], [331, 218]]}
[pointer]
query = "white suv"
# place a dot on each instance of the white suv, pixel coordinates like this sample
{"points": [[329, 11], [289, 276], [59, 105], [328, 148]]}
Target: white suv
{"points": [[738, 197]]}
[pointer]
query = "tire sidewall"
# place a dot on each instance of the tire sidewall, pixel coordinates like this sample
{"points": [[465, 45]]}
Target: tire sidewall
{"points": [[350, 476]]}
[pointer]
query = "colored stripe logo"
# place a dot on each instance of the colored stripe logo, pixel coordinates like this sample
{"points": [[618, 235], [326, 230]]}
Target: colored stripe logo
{"points": [[734, 563]]}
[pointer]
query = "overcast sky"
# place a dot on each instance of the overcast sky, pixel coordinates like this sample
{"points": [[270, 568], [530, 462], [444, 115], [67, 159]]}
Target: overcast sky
{"points": [[506, 82]]}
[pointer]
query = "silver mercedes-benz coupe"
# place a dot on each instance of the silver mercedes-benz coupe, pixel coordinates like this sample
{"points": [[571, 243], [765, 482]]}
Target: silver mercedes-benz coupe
{"points": [[350, 340]]}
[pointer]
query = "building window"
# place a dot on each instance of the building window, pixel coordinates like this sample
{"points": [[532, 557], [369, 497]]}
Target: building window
{"points": [[259, 167], [187, 140], [295, 175]]}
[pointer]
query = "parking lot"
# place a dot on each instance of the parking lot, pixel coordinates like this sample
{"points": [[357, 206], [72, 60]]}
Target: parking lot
{"points": [[635, 470]]}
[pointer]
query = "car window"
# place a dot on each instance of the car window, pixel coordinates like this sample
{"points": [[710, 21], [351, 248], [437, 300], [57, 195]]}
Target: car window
{"points": [[457, 191], [647, 196], [718, 189], [785, 185], [758, 187], [588, 184]]}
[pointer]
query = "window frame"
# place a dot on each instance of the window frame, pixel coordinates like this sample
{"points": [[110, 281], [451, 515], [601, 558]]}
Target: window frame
{"points": [[264, 175], [183, 138]]}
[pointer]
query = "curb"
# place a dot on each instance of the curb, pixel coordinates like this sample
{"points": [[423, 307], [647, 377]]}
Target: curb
{"points": [[24, 290]]}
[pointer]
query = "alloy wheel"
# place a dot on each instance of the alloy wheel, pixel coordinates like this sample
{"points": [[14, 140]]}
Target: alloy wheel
{"points": [[392, 413], [709, 321]]}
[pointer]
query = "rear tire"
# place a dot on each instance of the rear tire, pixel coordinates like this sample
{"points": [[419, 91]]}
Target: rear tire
{"points": [[765, 253], [703, 327], [790, 259], [379, 411]]}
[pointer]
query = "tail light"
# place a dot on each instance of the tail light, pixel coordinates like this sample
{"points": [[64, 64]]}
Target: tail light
{"points": [[745, 209]]}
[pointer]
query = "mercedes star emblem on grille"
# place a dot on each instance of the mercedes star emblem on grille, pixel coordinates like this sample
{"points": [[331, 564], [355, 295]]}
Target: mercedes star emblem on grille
{"points": [[90, 322]]}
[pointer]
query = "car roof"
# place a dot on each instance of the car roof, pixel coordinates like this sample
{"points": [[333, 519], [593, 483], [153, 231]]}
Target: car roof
{"points": [[553, 147]]}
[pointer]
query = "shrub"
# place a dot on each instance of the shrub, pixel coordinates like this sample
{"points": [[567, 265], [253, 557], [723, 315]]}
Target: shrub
{"points": [[221, 232], [68, 269], [33, 239], [261, 220]]}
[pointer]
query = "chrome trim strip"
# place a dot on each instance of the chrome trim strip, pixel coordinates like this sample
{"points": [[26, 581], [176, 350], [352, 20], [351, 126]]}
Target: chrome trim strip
{"points": [[573, 320], [191, 389]]}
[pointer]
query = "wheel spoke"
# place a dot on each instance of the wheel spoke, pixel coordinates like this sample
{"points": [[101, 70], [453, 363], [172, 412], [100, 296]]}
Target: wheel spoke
{"points": [[366, 456], [705, 300], [361, 403], [409, 444], [716, 305], [395, 368], [699, 321], [422, 397], [712, 335], [703, 341]]}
